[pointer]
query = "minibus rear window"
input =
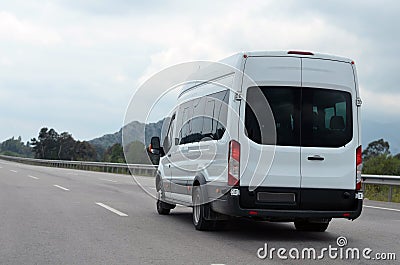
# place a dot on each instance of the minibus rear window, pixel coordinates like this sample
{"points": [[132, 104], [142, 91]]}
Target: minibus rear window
{"points": [[309, 117], [326, 118]]}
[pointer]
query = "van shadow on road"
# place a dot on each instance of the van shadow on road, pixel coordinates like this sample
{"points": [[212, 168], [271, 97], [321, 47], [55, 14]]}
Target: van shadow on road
{"points": [[250, 230]]}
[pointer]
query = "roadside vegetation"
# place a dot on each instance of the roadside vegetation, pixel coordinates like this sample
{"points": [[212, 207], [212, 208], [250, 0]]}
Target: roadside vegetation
{"points": [[62, 146], [378, 160]]}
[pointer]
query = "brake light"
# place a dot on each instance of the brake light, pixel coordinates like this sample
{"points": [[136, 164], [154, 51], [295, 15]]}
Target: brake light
{"points": [[233, 163], [358, 167], [300, 53]]}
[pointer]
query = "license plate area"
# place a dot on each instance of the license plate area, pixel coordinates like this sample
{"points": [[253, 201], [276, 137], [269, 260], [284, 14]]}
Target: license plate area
{"points": [[276, 197]]}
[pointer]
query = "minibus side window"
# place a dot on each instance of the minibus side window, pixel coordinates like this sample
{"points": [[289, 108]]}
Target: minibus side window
{"points": [[184, 115], [216, 115], [209, 124], [203, 119], [168, 141]]}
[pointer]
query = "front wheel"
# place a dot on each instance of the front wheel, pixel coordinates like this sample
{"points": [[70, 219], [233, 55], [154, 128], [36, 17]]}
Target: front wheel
{"points": [[161, 209]]}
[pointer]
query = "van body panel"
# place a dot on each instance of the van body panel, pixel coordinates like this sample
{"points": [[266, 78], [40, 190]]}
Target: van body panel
{"points": [[284, 71], [284, 171], [337, 170], [327, 74]]}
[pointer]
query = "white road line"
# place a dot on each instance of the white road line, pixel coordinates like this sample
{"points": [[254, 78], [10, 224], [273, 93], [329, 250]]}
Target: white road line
{"points": [[60, 187], [111, 209], [110, 180], [382, 208], [32, 177], [12, 170]]}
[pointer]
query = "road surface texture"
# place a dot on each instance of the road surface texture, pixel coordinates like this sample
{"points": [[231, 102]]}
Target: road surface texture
{"points": [[64, 216]]}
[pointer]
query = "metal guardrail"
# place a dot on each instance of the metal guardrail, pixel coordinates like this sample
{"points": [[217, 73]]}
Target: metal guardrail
{"points": [[150, 170], [390, 181], [381, 180], [136, 169]]}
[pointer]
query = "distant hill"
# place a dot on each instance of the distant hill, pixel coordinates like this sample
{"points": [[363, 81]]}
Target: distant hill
{"points": [[132, 132]]}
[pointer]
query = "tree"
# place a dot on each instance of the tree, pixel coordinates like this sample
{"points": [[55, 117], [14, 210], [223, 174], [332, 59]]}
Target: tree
{"points": [[51, 145], [376, 148], [66, 145], [382, 165], [84, 151], [15, 147], [114, 154], [46, 146]]}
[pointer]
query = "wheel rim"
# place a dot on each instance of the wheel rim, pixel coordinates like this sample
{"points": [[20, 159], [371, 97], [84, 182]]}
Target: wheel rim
{"points": [[196, 208]]}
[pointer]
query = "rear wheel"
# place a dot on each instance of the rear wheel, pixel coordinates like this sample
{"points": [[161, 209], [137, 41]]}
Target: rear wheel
{"points": [[199, 210], [305, 225]]}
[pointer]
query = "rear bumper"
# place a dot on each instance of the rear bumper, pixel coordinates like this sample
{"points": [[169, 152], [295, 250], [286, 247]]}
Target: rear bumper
{"points": [[230, 205]]}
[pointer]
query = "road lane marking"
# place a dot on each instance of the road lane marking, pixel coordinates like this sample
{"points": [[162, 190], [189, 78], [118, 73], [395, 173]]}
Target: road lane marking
{"points": [[12, 170], [110, 180], [60, 187], [111, 209], [382, 208], [32, 177]]}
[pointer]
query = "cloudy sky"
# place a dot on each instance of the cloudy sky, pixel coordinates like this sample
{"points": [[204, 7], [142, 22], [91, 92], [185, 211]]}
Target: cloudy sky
{"points": [[73, 65]]}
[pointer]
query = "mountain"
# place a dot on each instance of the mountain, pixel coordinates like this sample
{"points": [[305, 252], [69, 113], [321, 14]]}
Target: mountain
{"points": [[133, 131]]}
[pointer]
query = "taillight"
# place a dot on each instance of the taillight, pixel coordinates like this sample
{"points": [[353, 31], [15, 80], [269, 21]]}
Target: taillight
{"points": [[233, 163], [358, 167]]}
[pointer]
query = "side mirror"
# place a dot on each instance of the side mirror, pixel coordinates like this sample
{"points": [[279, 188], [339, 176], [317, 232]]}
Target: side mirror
{"points": [[154, 147]]}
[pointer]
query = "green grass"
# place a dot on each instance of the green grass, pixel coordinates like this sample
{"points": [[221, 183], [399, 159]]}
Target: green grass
{"points": [[381, 192]]}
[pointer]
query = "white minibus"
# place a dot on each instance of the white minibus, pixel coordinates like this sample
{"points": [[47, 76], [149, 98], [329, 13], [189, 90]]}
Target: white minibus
{"points": [[277, 139]]}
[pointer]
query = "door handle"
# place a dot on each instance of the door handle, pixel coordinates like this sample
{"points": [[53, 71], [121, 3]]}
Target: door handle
{"points": [[316, 158]]}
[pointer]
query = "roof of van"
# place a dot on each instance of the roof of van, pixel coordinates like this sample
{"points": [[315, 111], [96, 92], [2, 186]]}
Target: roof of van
{"points": [[236, 59], [232, 60]]}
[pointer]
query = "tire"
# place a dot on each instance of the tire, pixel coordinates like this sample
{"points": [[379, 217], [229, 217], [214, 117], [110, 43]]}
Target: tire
{"points": [[310, 227], [161, 208], [199, 210]]}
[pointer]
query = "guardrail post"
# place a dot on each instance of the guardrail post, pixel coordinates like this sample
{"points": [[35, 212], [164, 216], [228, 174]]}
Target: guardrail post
{"points": [[390, 193]]}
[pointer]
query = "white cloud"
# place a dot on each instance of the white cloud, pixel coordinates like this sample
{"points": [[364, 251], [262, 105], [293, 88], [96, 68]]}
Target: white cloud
{"points": [[15, 29], [380, 105], [92, 56]]}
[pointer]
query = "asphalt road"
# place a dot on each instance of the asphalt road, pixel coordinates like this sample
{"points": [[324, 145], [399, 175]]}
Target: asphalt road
{"points": [[63, 216]]}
